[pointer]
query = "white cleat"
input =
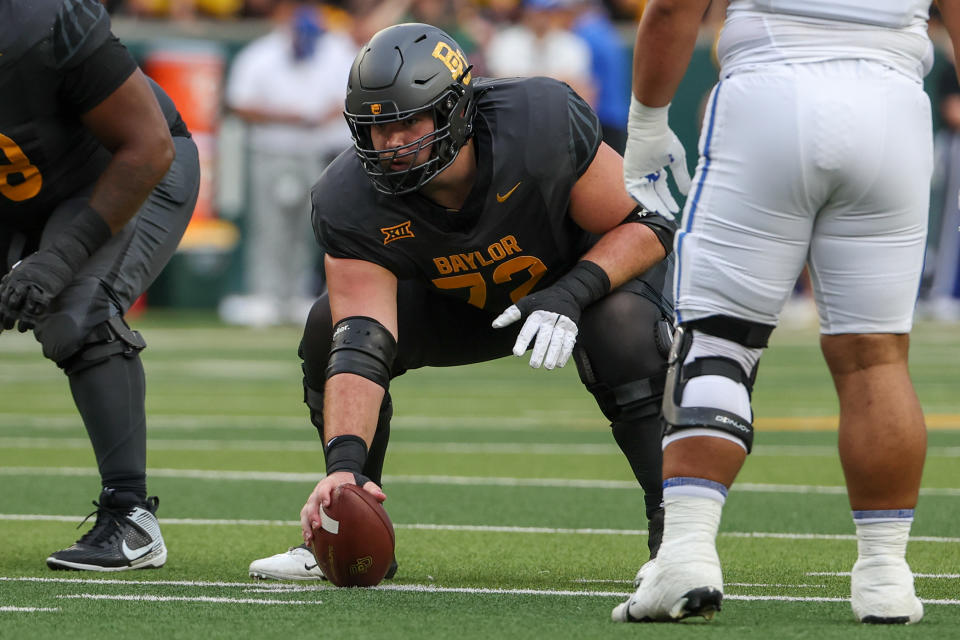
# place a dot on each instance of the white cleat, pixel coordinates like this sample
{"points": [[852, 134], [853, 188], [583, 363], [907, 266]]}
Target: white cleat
{"points": [[671, 591], [643, 572], [297, 563], [882, 591]]}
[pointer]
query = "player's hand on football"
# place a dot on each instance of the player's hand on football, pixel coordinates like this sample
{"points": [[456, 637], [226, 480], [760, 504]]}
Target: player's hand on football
{"points": [[652, 147], [27, 289], [310, 514], [551, 316]]}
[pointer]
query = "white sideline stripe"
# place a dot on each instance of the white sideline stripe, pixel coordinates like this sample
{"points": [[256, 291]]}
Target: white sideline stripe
{"points": [[27, 609], [483, 529], [560, 483], [147, 597], [416, 588], [943, 576], [462, 448]]}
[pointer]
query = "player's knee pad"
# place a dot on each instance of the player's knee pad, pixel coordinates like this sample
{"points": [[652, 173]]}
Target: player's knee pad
{"points": [[364, 347], [114, 337], [631, 400], [708, 387]]}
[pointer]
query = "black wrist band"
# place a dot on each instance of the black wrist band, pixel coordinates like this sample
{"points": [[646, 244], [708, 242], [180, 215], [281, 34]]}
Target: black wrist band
{"points": [[346, 453], [587, 282], [88, 231]]}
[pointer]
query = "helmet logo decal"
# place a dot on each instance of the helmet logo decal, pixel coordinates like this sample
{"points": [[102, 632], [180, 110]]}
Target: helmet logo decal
{"points": [[396, 232], [375, 108], [453, 59]]}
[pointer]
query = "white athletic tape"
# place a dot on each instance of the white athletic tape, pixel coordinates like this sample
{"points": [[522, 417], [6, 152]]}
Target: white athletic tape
{"points": [[329, 524]]}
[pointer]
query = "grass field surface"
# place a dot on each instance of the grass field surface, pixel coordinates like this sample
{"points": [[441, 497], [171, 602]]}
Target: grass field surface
{"points": [[516, 515]]}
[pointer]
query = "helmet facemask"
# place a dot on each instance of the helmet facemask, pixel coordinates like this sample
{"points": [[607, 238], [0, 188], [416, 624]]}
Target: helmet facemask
{"points": [[400, 74]]}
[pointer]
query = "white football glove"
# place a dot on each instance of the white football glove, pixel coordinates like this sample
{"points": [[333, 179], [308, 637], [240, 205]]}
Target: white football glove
{"points": [[652, 147], [556, 336]]}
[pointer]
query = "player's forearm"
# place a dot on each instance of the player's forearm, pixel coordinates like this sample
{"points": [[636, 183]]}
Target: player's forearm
{"points": [[132, 174], [625, 252], [351, 407], [665, 40]]}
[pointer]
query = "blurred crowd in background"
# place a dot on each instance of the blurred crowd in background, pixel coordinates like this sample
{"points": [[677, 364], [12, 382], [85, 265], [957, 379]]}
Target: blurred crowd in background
{"points": [[286, 88]]}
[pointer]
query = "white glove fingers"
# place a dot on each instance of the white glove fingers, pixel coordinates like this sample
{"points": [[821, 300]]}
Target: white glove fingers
{"points": [[545, 324], [667, 203], [510, 315], [527, 331], [555, 348], [678, 166], [569, 342]]}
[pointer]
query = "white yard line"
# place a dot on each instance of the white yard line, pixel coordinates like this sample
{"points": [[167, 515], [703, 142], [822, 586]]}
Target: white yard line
{"points": [[533, 421], [477, 528], [939, 576], [480, 481], [27, 609], [280, 586], [147, 597], [415, 588], [459, 448]]}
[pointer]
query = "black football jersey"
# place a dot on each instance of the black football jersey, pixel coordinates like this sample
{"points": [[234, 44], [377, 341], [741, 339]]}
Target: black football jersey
{"points": [[58, 60], [535, 138]]}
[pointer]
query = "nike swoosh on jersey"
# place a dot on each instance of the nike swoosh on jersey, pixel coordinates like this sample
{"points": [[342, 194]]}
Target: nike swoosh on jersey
{"points": [[503, 198], [135, 554]]}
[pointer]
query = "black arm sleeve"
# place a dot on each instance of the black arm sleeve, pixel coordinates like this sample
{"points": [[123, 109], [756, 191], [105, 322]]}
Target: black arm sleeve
{"points": [[585, 133], [664, 228]]}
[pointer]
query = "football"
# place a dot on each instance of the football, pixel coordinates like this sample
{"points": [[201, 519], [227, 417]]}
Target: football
{"points": [[354, 542]]}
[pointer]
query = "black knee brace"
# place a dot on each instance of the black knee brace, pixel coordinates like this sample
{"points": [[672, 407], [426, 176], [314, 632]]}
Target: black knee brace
{"points": [[676, 417], [110, 338], [630, 400], [364, 347]]}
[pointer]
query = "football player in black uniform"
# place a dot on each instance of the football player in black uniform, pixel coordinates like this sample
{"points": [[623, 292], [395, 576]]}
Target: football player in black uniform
{"points": [[467, 205], [98, 179]]}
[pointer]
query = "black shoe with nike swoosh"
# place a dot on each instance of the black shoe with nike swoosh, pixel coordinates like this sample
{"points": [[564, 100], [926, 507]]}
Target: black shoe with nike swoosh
{"points": [[126, 535]]}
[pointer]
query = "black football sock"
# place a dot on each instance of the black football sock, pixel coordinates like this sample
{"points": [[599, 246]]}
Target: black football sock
{"points": [[110, 398], [373, 468], [639, 440]]}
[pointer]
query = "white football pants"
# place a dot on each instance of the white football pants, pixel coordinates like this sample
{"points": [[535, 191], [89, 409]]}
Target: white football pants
{"points": [[826, 163]]}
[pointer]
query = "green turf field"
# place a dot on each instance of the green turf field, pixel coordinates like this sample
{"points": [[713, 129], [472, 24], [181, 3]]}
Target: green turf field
{"points": [[516, 515]]}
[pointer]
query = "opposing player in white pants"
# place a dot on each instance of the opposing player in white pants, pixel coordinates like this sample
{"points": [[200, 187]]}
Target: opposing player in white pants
{"points": [[815, 148]]}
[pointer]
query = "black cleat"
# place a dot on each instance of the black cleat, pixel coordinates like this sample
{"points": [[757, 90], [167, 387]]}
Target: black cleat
{"points": [[126, 535]]}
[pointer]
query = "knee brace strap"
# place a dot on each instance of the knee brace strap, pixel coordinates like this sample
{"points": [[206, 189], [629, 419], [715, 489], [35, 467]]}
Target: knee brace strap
{"points": [[630, 400], [110, 338], [637, 399], [364, 347], [744, 332], [678, 374]]}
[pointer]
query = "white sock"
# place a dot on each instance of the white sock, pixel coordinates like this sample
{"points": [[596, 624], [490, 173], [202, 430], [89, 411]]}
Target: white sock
{"points": [[692, 516], [883, 537]]}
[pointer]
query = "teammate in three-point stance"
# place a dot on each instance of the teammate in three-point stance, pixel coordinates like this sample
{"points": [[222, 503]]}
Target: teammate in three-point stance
{"points": [[466, 206], [816, 149], [98, 181]]}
